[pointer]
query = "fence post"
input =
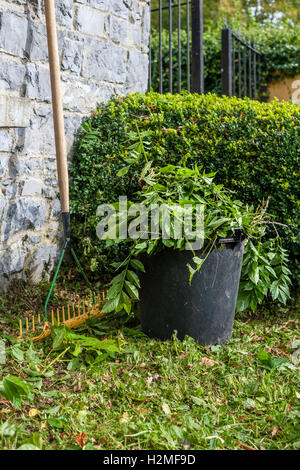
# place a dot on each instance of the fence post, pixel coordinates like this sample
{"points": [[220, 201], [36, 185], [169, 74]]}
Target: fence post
{"points": [[197, 47], [226, 62]]}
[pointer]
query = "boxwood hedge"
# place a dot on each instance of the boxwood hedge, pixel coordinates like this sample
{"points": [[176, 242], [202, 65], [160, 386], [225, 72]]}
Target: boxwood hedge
{"points": [[254, 148]]}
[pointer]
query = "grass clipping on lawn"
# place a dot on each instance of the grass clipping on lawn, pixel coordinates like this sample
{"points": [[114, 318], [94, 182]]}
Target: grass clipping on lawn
{"points": [[144, 394]]}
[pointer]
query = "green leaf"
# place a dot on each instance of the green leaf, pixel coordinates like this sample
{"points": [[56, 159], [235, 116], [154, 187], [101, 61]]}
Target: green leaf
{"points": [[254, 274], [59, 335], [15, 389], [17, 354], [28, 447], [123, 171], [243, 301], [137, 264], [110, 305], [132, 290], [168, 243], [133, 277]]}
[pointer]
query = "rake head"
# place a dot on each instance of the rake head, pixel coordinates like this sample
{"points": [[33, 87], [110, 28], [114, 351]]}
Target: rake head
{"points": [[71, 316]]}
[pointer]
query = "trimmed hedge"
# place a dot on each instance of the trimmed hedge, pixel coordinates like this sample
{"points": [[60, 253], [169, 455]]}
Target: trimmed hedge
{"points": [[254, 147]]}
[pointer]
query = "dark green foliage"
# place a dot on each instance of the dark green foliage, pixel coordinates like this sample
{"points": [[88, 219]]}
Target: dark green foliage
{"points": [[254, 147], [277, 62]]}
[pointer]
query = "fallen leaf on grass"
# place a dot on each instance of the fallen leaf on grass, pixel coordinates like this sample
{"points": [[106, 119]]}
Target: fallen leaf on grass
{"points": [[33, 412], [275, 431], [171, 420], [80, 439], [256, 338], [297, 395], [244, 446], [186, 445], [208, 362], [125, 418], [215, 437], [166, 409], [182, 354], [241, 418]]}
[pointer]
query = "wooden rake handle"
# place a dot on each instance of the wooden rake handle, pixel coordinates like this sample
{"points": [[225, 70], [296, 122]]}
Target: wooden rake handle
{"points": [[58, 117]]}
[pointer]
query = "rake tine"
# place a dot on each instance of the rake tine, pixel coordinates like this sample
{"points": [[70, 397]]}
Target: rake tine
{"points": [[21, 330], [68, 309], [52, 317], [63, 314], [83, 307], [57, 316], [27, 325], [33, 326], [98, 299], [78, 310], [39, 319], [73, 306]]}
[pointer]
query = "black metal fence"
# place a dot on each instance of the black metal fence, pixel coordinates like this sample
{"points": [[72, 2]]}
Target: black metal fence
{"points": [[241, 65], [180, 16], [241, 60]]}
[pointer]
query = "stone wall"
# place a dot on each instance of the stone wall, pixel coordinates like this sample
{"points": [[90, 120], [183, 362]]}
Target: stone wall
{"points": [[104, 51]]}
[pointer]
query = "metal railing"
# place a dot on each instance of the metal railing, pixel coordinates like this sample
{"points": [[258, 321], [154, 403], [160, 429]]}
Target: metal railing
{"points": [[170, 11], [241, 65]]}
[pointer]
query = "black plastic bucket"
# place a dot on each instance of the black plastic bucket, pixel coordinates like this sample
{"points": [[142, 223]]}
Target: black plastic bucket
{"points": [[203, 310]]}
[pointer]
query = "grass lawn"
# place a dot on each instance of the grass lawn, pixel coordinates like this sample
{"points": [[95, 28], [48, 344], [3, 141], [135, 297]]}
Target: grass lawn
{"points": [[152, 394]]}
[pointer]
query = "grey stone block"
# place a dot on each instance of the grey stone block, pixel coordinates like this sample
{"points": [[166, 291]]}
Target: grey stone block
{"points": [[12, 74], [15, 112], [43, 261], [72, 124], [38, 82], [117, 29], [39, 137], [49, 193], [10, 188], [33, 239], [23, 214], [137, 70], [100, 4], [84, 96], [14, 33], [105, 61], [120, 8], [4, 159], [64, 13], [38, 47], [32, 187], [90, 21], [72, 56], [56, 209], [20, 166], [2, 206], [51, 182], [5, 143], [12, 260]]}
